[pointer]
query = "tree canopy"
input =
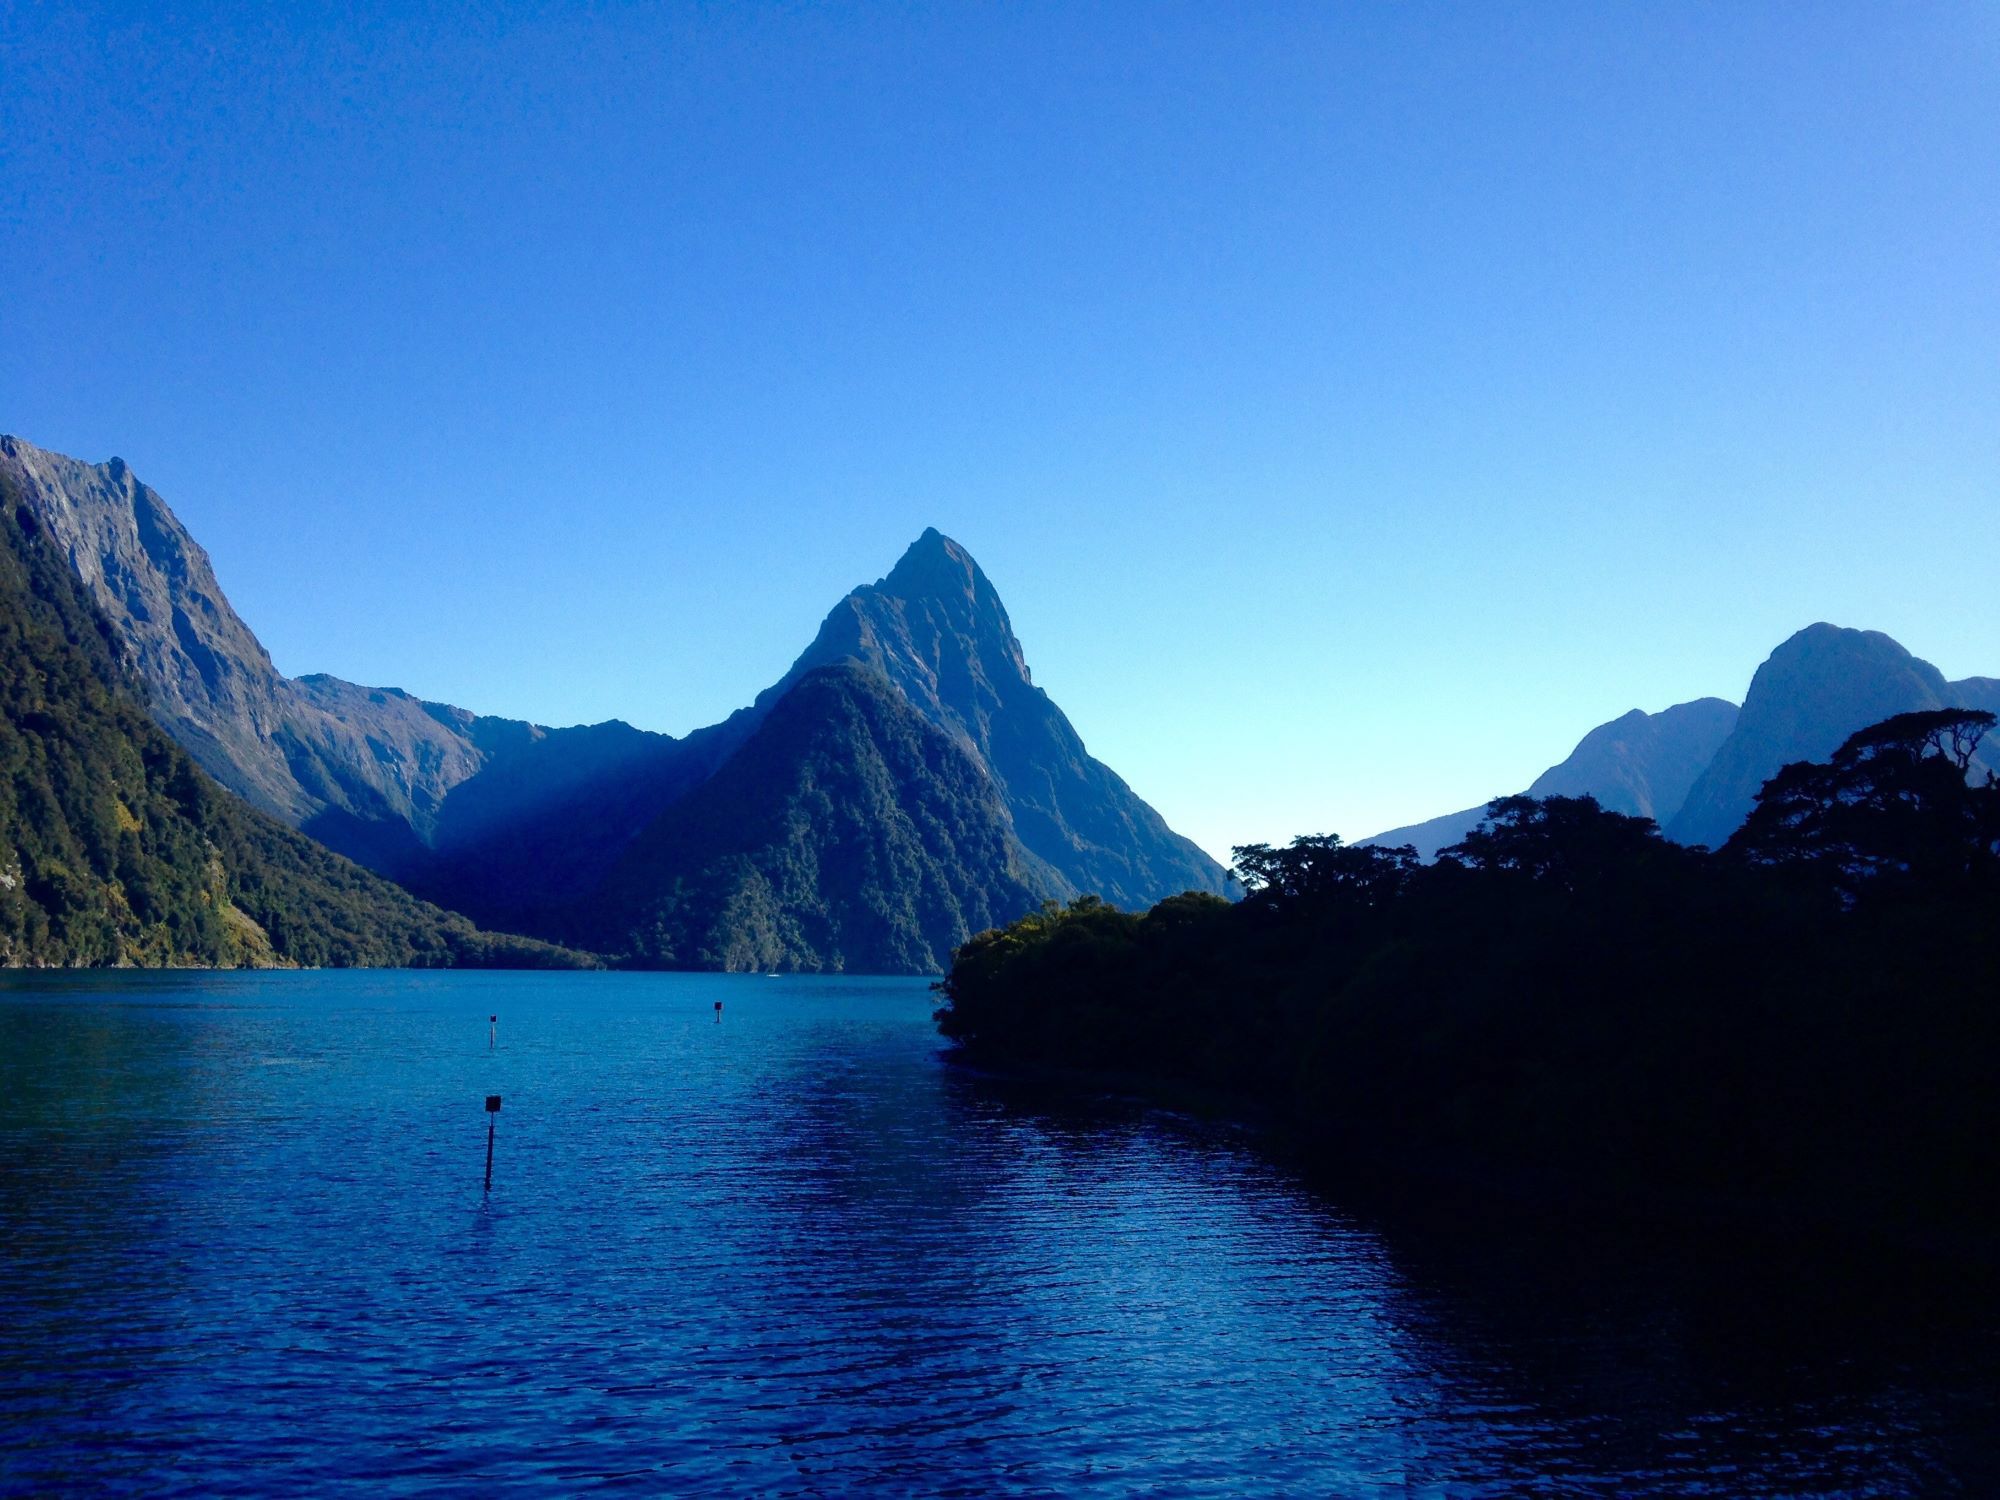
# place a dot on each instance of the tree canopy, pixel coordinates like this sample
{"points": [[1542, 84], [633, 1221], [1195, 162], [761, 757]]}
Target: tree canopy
{"points": [[1806, 1021]]}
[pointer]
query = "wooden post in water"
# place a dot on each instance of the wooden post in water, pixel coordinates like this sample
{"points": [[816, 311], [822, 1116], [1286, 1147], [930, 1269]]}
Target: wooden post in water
{"points": [[718, 1010], [492, 1115], [492, 1030]]}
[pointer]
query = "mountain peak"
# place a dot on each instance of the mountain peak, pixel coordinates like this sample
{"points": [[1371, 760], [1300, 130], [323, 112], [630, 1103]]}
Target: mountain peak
{"points": [[1823, 636], [935, 629], [1818, 687], [933, 621], [934, 565]]}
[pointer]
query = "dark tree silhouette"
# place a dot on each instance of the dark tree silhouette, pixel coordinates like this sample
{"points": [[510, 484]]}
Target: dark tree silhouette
{"points": [[1319, 867], [1891, 807], [1802, 1025], [1564, 840]]}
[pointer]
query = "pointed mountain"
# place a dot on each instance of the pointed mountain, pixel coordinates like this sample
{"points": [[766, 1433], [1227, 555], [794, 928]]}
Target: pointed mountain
{"points": [[1815, 690], [935, 631], [934, 626], [1639, 764], [848, 832]]}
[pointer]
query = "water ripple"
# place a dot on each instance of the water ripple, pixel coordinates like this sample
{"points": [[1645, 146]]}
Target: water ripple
{"points": [[247, 1250]]}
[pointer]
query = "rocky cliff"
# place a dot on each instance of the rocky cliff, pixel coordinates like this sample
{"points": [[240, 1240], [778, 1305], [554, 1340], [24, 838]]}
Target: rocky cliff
{"points": [[297, 749], [116, 849]]}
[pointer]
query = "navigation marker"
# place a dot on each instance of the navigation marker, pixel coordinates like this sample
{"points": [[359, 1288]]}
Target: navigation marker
{"points": [[492, 1115]]}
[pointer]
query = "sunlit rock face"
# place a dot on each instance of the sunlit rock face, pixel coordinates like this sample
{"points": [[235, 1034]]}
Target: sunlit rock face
{"points": [[297, 748]]}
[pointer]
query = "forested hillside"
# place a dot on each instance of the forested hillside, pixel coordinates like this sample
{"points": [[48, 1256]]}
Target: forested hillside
{"points": [[115, 848], [848, 833]]}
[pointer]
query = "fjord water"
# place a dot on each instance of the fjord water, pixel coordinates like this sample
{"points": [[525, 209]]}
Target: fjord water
{"points": [[791, 1250]]}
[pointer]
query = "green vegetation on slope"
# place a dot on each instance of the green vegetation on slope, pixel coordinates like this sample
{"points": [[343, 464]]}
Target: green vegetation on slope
{"points": [[115, 848], [848, 832], [1803, 1022]]}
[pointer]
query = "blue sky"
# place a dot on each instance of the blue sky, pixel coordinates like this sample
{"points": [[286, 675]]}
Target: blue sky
{"points": [[1354, 404]]}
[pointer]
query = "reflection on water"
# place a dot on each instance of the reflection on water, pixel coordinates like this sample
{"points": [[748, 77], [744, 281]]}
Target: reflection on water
{"points": [[247, 1249]]}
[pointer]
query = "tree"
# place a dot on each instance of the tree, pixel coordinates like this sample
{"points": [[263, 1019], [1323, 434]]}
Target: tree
{"points": [[1892, 807], [1568, 842], [1319, 868]]}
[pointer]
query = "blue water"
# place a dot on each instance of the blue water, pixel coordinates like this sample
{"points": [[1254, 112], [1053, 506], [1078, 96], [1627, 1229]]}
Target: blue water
{"points": [[247, 1250]]}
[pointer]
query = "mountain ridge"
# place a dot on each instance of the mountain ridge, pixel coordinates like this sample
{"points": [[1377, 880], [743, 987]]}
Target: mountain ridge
{"points": [[117, 849], [516, 823], [1639, 764], [1818, 686]]}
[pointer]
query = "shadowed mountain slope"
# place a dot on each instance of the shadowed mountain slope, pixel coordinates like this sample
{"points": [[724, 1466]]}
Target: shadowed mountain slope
{"points": [[936, 629], [848, 832]]}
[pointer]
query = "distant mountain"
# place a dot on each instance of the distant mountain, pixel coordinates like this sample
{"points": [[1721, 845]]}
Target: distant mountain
{"points": [[1810, 694], [115, 848], [1696, 768], [522, 826], [1975, 692], [1639, 764], [848, 832]]}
